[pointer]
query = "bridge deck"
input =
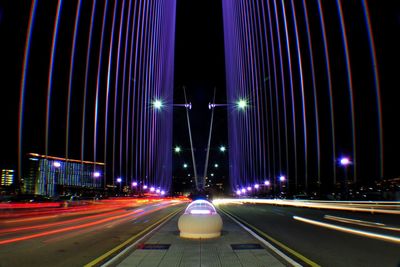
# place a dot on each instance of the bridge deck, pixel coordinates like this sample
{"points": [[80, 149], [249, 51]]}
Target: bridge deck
{"points": [[247, 251]]}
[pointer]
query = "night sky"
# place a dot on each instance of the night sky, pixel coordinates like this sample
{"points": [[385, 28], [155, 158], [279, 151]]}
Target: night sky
{"points": [[199, 66]]}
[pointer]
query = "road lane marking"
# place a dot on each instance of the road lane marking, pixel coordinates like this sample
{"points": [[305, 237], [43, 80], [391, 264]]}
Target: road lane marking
{"points": [[249, 228], [354, 221], [149, 229], [349, 230]]}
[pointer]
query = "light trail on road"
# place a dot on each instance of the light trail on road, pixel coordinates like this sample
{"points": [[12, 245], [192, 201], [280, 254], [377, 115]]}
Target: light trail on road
{"points": [[349, 230], [392, 207], [111, 211]]}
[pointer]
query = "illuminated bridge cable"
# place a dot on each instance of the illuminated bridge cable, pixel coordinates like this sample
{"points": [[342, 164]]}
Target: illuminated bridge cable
{"points": [[278, 115], [315, 95], [123, 97], [271, 109], [303, 100], [108, 87], [50, 74], [349, 85], [329, 83], [85, 90], [96, 105], [70, 82], [376, 82], [25, 65]]}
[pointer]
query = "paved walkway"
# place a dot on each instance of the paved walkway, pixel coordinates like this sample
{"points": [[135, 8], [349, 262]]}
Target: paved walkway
{"points": [[247, 251]]}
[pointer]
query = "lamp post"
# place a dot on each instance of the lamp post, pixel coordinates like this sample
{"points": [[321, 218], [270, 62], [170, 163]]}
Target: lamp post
{"points": [[282, 180], [57, 166], [119, 180], [134, 186], [345, 162]]}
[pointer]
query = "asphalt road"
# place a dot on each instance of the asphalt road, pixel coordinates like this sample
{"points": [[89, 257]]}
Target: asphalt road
{"points": [[326, 247], [77, 239]]}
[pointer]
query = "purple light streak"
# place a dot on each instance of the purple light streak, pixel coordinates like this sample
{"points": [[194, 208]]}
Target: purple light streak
{"points": [[27, 50], [349, 84], [376, 82], [328, 73], [50, 75]]}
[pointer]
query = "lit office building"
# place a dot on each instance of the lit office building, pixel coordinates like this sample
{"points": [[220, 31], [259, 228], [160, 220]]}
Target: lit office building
{"points": [[7, 177], [51, 176]]}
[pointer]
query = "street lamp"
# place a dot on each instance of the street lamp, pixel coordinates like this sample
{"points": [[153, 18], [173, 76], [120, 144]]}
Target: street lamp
{"points": [[216, 165], [345, 162], [96, 174], [56, 164], [185, 165], [222, 148], [177, 149], [158, 104], [119, 180], [241, 104]]}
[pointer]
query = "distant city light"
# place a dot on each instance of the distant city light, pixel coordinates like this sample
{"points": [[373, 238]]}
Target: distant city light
{"points": [[216, 165], [222, 148], [162, 192], [238, 192], [177, 149], [212, 174], [152, 189], [185, 165], [243, 190], [119, 180], [57, 164], [256, 186], [345, 161], [96, 174], [249, 188], [157, 104], [134, 184], [145, 187], [282, 178], [267, 183]]}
